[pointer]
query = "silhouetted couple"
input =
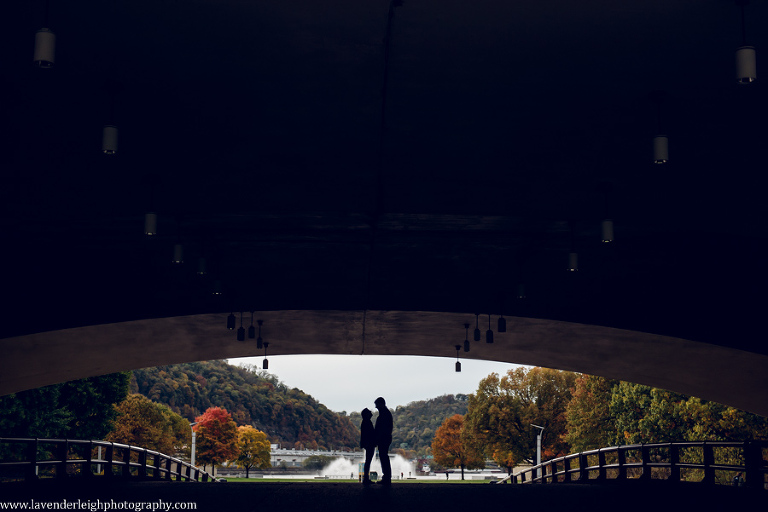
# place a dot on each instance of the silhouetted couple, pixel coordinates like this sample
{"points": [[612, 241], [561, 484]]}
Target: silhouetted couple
{"points": [[379, 437]]}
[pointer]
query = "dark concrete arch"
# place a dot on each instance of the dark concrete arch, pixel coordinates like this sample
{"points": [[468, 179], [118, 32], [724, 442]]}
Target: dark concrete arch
{"points": [[259, 134], [722, 374]]}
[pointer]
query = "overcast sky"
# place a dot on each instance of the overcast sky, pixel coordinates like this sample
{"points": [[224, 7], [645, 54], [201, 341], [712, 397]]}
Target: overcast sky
{"points": [[351, 383]]}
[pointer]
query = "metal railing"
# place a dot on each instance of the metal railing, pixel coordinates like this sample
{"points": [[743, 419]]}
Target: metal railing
{"points": [[35, 458], [711, 463]]}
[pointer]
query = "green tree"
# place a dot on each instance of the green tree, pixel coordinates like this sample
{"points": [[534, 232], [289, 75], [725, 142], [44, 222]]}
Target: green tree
{"points": [[142, 422], [452, 449], [216, 436], [588, 416], [81, 409], [501, 412], [253, 449]]}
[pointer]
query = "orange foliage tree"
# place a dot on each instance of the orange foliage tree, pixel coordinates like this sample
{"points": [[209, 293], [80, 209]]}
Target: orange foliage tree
{"points": [[217, 436], [451, 449]]}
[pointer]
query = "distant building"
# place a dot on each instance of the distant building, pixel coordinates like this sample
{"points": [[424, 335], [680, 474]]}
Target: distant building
{"points": [[295, 458]]}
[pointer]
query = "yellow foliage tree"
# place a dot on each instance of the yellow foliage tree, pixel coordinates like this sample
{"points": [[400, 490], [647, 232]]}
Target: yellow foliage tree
{"points": [[253, 449]]}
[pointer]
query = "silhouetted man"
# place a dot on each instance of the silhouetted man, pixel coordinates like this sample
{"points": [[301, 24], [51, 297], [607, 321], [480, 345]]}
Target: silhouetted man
{"points": [[383, 431]]}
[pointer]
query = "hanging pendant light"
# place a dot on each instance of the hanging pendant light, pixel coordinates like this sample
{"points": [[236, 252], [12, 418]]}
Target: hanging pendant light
{"points": [[217, 288], [458, 364], [178, 254], [466, 338], [489, 332], [252, 329], [231, 321], [265, 366], [150, 224], [746, 63], [607, 229], [202, 266], [45, 43], [241, 329], [259, 341], [477, 327], [502, 324], [109, 140], [573, 262], [660, 149], [45, 48], [521, 291]]}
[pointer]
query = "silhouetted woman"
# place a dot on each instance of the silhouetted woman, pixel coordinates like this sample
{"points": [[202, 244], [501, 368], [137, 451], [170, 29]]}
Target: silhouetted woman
{"points": [[367, 442]]}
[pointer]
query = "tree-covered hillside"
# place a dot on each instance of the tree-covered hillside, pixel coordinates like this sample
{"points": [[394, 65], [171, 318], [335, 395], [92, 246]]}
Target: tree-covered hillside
{"points": [[288, 416], [416, 423]]}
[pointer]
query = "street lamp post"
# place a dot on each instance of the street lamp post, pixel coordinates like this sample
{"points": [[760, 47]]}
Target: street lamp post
{"points": [[538, 448], [194, 435]]}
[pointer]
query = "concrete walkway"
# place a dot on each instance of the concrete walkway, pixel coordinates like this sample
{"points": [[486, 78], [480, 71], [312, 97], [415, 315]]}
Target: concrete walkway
{"points": [[403, 497]]}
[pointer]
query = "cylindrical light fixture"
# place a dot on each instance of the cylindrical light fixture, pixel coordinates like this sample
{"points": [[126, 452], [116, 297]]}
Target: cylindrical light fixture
{"points": [[573, 261], [466, 338], [265, 366], [746, 65], [109, 140], [607, 231], [45, 48], [217, 288], [202, 266], [178, 254], [660, 149], [521, 291], [150, 224], [252, 329], [489, 332], [231, 321], [502, 324], [477, 327], [458, 363], [241, 329]]}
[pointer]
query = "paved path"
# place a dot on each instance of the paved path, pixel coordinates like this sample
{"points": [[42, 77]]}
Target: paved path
{"points": [[404, 497]]}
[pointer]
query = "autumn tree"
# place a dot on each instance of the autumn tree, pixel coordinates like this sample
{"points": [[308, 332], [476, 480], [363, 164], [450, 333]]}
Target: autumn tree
{"points": [[253, 449], [501, 412], [216, 436], [142, 422], [588, 415], [451, 449]]}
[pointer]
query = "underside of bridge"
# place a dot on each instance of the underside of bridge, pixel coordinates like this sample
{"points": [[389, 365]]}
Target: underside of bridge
{"points": [[368, 176]]}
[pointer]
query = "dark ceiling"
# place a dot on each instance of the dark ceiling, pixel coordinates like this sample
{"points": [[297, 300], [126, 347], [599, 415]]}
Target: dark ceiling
{"points": [[258, 132]]}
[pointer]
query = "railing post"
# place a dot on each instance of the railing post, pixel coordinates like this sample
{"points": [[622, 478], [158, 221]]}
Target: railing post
{"points": [[621, 457], [645, 454], [583, 472], [143, 464], [61, 467], [674, 462], [601, 465], [753, 465], [108, 467], [157, 462], [88, 470], [709, 461], [566, 470], [32, 455], [168, 469], [127, 462]]}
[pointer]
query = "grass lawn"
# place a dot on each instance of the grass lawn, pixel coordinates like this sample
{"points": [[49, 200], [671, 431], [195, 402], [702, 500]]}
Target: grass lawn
{"points": [[349, 481]]}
